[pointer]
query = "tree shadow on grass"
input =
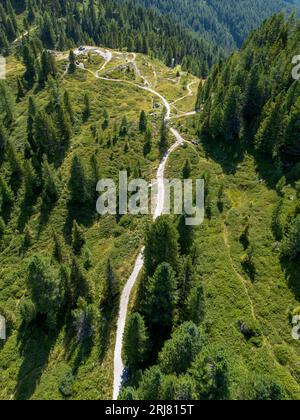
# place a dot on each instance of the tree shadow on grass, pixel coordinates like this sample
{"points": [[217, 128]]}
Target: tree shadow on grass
{"points": [[109, 315], [26, 210], [76, 351], [292, 275], [15, 183], [46, 209], [267, 170], [226, 155], [84, 214], [35, 345]]}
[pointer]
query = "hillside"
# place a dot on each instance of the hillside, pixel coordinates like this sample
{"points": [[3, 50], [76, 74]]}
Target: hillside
{"points": [[245, 295], [146, 307], [39, 221], [226, 23]]}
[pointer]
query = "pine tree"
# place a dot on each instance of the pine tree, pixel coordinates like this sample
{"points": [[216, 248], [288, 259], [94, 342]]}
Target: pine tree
{"points": [[186, 279], [135, 341], [112, 287], [270, 134], [232, 115], [105, 123], [31, 179], [78, 183], [124, 127], [29, 62], [78, 239], [2, 229], [164, 138], [3, 140], [161, 245], [291, 136], [50, 188], [30, 125], [59, 251], [45, 136], [27, 240], [143, 122], [45, 287], [47, 33], [64, 124], [181, 350], [47, 67], [6, 104], [21, 91], [72, 62], [14, 160], [161, 297], [186, 235], [195, 305], [147, 142], [87, 107], [7, 196], [68, 106]]}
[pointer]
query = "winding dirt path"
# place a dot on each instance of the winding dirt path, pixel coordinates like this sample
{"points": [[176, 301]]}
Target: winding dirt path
{"points": [[119, 368]]}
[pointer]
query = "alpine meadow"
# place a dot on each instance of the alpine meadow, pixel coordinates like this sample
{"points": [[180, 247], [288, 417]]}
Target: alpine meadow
{"points": [[119, 281]]}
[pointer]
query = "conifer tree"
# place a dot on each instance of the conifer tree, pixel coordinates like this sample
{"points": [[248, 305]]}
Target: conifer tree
{"points": [[50, 188], [135, 341], [161, 245], [68, 106], [147, 142], [111, 287], [78, 183], [164, 138], [78, 239], [72, 62], [161, 297], [143, 122], [21, 91], [195, 304], [59, 251], [3, 140], [87, 107]]}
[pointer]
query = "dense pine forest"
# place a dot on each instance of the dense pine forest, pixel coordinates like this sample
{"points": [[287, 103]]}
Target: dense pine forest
{"points": [[211, 313], [224, 23]]}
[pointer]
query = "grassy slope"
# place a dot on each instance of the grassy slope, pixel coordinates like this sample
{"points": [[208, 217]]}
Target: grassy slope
{"points": [[33, 363], [230, 294]]}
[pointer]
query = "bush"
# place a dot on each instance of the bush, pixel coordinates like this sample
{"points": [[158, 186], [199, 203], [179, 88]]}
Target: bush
{"points": [[66, 385]]}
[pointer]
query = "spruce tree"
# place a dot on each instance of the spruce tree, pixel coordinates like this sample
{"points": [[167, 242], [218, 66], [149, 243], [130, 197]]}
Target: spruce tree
{"points": [[161, 297], [135, 341], [78, 183], [72, 62], [143, 122], [161, 245], [164, 137], [195, 305], [50, 188], [3, 140], [87, 107], [111, 287], [78, 239], [147, 142]]}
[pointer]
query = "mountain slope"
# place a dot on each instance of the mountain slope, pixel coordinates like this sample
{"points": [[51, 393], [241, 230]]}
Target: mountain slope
{"points": [[245, 284], [225, 23]]}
